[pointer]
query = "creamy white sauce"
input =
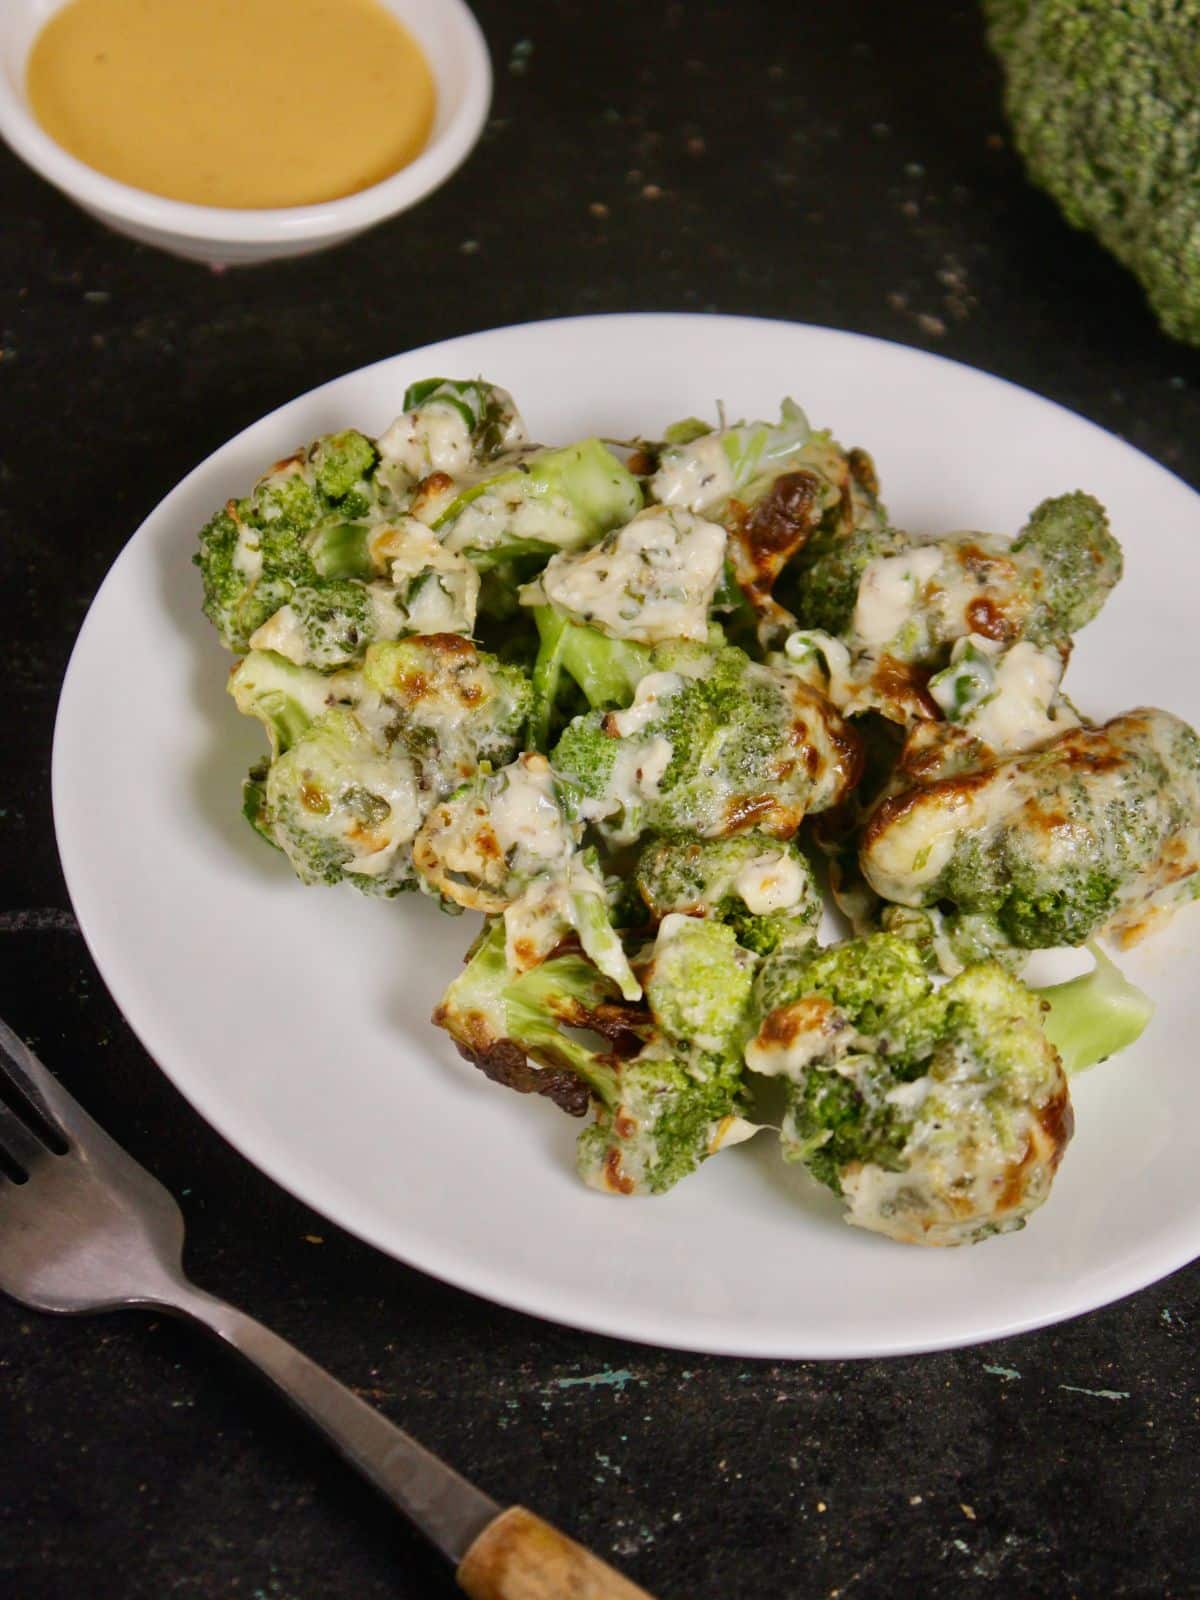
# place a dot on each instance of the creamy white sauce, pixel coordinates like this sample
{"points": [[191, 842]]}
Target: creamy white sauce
{"points": [[505, 513], [434, 438], [695, 476], [526, 814], [283, 634], [648, 697], [771, 883], [656, 758], [651, 580], [890, 590], [247, 553], [799, 1036], [1017, 716]]}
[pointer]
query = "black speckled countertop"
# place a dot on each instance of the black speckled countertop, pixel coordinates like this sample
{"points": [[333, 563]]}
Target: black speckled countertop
{"points": [[844, 165]]}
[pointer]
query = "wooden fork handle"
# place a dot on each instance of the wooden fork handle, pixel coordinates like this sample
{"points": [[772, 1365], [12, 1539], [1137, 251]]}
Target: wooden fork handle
{"points": [[520, 1557]]}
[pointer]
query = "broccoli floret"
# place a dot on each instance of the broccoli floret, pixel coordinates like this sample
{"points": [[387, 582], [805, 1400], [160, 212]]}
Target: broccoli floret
{"points": [[940, 1116], [284, 697], [508, 842], [361, 756], [774, 487], [661, 1108], [884, 609], [291, 530], [1068, 544], [699, 981], [606, 670], [1089, 1018], [1096, 831], [540, 502], [873, 981], [340, 807], [739, 746], [827, 573], [761, 888], [342, 466], [1102, 102], [450, 424]]}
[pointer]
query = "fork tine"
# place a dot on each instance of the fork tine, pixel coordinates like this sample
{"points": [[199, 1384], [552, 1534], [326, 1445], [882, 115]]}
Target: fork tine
{"points": [[18, 1143], [21, 1069]]}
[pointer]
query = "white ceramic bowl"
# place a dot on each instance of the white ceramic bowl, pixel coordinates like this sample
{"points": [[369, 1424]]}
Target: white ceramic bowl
{"points": [[458, 58]]}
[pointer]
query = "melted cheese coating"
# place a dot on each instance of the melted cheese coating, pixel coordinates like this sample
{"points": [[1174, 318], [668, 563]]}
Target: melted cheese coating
{"points": [[653, 579], [771, 883], [891, 591], [695, 476]]}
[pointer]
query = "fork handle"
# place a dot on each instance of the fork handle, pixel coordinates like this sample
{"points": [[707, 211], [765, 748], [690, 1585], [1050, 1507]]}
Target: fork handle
{"points": [[520, 1557], [501, 1555], [449, 1511]]}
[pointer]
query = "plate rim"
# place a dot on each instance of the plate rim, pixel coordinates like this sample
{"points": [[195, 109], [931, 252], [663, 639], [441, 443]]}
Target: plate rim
{"points": [[1176, 1246]]}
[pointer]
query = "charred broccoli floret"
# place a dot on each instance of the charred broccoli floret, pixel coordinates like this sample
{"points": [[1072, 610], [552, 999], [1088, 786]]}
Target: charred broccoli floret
{"points": [[940, 1116], [662, 1104], [509, 842], [736, 746], [362, 755], [885, 609], [774, 487], [1098, 830], [300, 525]]}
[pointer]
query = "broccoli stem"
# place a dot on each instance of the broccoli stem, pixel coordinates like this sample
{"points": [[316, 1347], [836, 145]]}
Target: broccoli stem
{"points": [[607, 670], [1093, 1016]]}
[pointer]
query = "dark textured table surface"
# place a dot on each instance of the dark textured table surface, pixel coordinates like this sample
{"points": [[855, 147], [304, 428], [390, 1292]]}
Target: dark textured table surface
{"points": [[849, 167]]}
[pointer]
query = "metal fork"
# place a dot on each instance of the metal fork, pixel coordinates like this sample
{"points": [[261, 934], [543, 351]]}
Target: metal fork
{"points": [[83, 1227]]}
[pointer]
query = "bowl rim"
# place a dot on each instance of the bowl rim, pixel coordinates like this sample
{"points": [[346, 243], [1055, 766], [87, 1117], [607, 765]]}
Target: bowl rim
{"points": [[350, 213]]}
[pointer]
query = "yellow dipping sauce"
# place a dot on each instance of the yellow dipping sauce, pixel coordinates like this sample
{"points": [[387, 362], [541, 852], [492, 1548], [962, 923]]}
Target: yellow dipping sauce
{"points": [[239, 103]]}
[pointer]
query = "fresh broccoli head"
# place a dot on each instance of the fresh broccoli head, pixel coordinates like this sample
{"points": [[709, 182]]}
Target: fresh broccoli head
{"points": [[661, 1106], [1098, 830], [939, 1115], [1102, 100], [761, 888], [720, 746], [361, 756]]}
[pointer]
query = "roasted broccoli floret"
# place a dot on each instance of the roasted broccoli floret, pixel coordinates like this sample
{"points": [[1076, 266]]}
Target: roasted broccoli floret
{"points": [[531, 504], [761, 888], [1098, 830], [509, 842], [939, 1115], [912, 599], [362, 755], [452, 426], [773, 487], [734, 746], [698, 983], [1102, 100], [650, 580], [662, 1103], [307, 510]]}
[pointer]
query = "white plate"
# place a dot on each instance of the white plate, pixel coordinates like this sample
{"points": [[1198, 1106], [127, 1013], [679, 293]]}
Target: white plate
{"points": [[295, 1019]]}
